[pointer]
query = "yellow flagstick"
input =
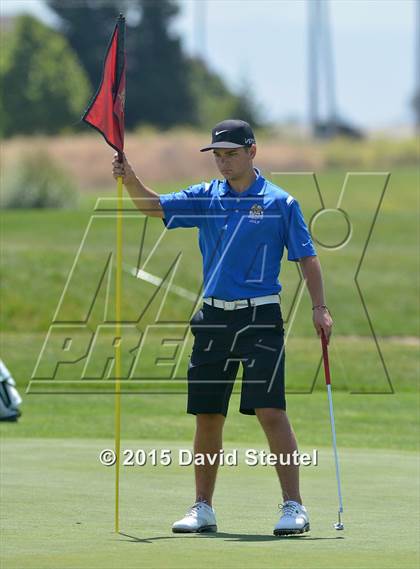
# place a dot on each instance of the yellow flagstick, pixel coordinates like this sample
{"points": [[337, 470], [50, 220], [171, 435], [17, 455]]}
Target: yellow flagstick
{"points": [[118, 352], [106, 114]]}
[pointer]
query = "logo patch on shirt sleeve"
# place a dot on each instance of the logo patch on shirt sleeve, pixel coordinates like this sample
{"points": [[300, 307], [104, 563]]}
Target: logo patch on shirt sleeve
{"points": [[290, 200]]}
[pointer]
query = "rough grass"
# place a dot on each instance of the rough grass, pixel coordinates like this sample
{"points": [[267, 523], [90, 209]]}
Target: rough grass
{"points": [[174, 155], [39, 248]]}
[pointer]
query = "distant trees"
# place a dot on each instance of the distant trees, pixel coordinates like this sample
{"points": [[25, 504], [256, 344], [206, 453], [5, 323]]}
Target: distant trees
{"points": [[159, 82], [164, 87], [158, 90], [214, 101], [42, 84], [47, 77]]}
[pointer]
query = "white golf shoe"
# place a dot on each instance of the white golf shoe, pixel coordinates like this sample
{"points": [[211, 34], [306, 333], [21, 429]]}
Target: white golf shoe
{"points": [[294, 519], [199, 518]]}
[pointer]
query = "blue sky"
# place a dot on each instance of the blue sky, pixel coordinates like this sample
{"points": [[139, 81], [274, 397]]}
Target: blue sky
{"points": [[263, 42]]}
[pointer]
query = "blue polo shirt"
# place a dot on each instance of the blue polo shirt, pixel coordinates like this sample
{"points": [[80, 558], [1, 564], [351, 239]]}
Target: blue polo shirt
{"points": [[242, 235]]}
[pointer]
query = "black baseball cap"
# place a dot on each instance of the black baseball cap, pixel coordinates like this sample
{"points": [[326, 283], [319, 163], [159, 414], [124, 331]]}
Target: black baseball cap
{"points": [[231, 133]]}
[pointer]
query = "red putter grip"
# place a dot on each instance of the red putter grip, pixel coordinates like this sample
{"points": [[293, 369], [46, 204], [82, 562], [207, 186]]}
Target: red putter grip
{"points": [[325, 358]]}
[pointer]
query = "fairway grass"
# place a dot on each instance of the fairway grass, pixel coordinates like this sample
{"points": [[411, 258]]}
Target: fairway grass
{"points": [[39, 248], [388, 421], [58, 511]]}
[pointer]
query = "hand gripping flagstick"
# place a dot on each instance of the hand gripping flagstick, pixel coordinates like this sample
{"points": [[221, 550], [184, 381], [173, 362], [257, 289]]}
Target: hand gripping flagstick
{"points": [[339, 525], [106, 114]]}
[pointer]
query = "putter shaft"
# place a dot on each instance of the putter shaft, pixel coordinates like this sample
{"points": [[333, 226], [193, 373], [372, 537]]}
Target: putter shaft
{"points": [[339, 525]]}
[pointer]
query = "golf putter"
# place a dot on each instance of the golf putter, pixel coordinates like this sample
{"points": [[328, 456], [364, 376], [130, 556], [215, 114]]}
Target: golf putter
{"points": [[339, 525]]}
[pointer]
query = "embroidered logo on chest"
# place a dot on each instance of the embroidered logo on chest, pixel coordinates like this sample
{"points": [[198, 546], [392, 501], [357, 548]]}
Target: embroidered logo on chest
{"points": [[256, 213]]}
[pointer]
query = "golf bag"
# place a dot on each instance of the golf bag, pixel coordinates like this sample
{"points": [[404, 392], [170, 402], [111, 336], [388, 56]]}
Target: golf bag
{"points": [[10, 399]]}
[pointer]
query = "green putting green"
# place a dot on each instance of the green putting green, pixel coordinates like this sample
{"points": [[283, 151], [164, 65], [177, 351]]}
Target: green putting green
{"points": [[58, 511]]}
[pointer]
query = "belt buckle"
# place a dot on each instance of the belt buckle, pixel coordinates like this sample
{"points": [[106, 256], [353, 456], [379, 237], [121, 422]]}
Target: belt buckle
{"points": [[229, 305]]}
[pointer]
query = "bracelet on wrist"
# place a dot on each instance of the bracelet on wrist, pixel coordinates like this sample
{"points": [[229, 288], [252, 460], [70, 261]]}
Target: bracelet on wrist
{"points": [[324, 306]]}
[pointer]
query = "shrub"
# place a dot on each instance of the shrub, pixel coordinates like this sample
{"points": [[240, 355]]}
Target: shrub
{"points": [[43, 88], [36, 182]]}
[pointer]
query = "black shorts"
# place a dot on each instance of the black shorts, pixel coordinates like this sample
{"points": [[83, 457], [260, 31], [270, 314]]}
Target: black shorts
{"points": [[252, 336]]}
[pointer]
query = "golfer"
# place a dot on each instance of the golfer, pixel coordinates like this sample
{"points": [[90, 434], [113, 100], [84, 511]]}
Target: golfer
{"points": [[244, 222]]}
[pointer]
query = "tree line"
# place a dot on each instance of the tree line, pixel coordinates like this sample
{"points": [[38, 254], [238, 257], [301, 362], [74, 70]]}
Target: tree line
{"points": [[47, 76]]}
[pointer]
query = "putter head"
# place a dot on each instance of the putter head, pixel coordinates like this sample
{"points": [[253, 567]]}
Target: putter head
{"points": [[339, 526]]}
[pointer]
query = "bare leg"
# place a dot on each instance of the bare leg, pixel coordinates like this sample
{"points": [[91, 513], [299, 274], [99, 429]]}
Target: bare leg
{"points": [[208, 439], [281, 440]]}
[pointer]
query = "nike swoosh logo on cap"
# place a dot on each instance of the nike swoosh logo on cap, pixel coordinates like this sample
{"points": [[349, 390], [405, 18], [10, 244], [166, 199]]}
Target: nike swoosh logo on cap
{"points": [[220, 132]]}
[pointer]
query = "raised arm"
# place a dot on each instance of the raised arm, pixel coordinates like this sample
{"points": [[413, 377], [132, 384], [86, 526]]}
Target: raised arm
{"points": [[145, 199], [311, 270]]}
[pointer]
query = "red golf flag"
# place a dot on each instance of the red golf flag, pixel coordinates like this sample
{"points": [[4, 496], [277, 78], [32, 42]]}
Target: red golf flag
{"points": [[106, 110]]}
